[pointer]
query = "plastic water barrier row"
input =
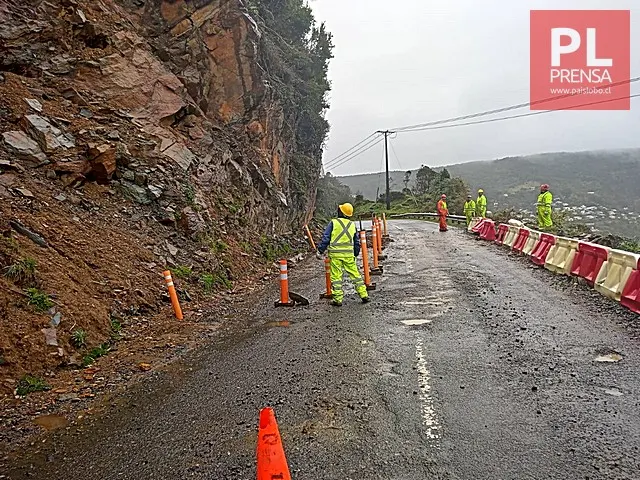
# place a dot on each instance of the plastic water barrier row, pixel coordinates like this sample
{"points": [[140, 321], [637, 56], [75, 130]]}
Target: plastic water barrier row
{"points": [[613, 273]]}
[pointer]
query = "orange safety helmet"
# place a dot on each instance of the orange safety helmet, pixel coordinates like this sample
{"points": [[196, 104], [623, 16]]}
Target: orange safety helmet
{"points": [[444, 197]]}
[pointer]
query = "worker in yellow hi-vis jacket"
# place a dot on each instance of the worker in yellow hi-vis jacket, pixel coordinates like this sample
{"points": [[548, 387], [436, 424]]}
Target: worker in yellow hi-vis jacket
{"points": [[469, 209], [340, 240], [545, 199], [481, 204]]}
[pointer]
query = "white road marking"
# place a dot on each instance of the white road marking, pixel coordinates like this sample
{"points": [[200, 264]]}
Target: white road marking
{"points": [[429, 417], [421, 321]]}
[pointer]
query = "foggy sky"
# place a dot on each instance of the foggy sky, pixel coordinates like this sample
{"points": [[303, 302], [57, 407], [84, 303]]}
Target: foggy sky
{"points": [[414, 61]]}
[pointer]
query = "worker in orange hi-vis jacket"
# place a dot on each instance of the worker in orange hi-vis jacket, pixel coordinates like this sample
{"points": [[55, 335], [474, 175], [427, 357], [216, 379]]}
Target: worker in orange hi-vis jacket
{"points": [[443, 211]]}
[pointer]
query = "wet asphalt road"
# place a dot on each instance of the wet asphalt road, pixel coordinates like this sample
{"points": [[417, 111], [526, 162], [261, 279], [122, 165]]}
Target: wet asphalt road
{"points": [[498, 381]]}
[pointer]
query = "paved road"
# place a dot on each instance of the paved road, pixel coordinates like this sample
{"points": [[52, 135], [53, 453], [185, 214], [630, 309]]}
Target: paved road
{"points": [[493, 377]]}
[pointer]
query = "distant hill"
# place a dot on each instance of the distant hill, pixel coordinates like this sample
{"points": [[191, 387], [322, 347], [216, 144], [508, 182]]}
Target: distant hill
{"points": [[609, 179]]}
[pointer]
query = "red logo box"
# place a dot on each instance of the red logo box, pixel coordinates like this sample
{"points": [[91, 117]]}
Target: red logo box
{"points": [[580, 59]]}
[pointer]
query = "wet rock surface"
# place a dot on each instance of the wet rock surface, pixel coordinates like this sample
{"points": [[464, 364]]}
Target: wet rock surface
{"points": [[499, 381]]}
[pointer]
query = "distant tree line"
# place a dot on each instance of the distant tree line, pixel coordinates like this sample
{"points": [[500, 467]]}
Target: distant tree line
{"points": [[429, 186]]}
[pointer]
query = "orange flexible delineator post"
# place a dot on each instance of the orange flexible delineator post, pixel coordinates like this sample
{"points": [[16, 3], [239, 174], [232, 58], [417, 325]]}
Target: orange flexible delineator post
{"points": [[310, 237], [365, 261], [381, 256], [172, 294], [284, 286], [377, 269], [272, 463], [327, 276]]}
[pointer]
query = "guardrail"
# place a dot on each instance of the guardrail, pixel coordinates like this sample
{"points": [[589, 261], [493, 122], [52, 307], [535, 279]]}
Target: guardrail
{"points": [[429, 216]]}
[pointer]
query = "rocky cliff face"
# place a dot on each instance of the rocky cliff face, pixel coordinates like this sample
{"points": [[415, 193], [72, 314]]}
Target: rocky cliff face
{"points": [[134, 135], [182, 85]]}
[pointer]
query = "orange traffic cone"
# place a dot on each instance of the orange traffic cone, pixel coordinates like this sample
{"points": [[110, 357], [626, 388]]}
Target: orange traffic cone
{"points": [[272, 464]]}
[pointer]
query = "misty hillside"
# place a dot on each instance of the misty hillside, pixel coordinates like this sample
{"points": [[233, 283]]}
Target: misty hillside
{"points": [[607, 180]]}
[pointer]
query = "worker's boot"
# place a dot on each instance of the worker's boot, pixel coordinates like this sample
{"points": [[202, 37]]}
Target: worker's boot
{"points": [[365, 299], [336, 303]]}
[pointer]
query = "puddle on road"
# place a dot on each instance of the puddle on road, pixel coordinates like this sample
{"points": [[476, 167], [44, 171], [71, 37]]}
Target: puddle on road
{"points": [[614, 392], [51, 422], [280, 323], [609, 358], [419, 321]]}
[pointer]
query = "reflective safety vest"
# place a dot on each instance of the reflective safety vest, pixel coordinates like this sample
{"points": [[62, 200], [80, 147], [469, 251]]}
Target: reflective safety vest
{"points": [[442, 207], [481, 205], [470, 207], [342, 237], [545, 200]]}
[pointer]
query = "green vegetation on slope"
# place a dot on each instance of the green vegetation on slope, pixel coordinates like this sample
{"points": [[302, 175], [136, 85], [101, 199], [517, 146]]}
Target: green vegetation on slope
{"points": [[296, 60]]}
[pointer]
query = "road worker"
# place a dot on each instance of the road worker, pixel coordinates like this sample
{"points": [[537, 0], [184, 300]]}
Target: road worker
{"points": [[443, 212], [481, 204], [544, 208], [341, 242], [469, 209]]}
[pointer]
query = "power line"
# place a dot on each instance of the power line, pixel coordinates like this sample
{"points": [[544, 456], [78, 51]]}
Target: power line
{"points": [[354, 155], [355, 152], [349, 150], [522, 115], [506, 109], [370, 142], [395, 154]]}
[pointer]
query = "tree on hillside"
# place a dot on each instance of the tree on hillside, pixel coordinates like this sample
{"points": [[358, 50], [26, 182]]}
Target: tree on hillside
{"points": [[424, 179]]}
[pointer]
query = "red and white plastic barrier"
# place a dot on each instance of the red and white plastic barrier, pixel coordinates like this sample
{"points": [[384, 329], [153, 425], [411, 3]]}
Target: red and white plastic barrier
{"points": [[631, 294], [588, 261], [532, 241], [540, 252], [561, 255], [479, 226], [521, 240], [512, 235], [502, 233], [488, 231], [615, 273]]}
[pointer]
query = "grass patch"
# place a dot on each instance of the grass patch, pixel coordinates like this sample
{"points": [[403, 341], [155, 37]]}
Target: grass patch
{"points": [[632, 246], [9, 243], [219, 246], [210, 281], [79, 338], [246, 247], [182, 271], [116, 329], [95, 353], [39, 300], [30, 384], [189, 193], [24, 270]]}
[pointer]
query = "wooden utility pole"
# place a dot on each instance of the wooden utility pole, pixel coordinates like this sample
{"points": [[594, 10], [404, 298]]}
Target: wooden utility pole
{"points": [[386, 157]]}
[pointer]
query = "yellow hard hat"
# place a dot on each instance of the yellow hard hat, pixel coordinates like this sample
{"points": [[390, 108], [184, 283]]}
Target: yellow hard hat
{"points": [[481, 191], [347, 209]]}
